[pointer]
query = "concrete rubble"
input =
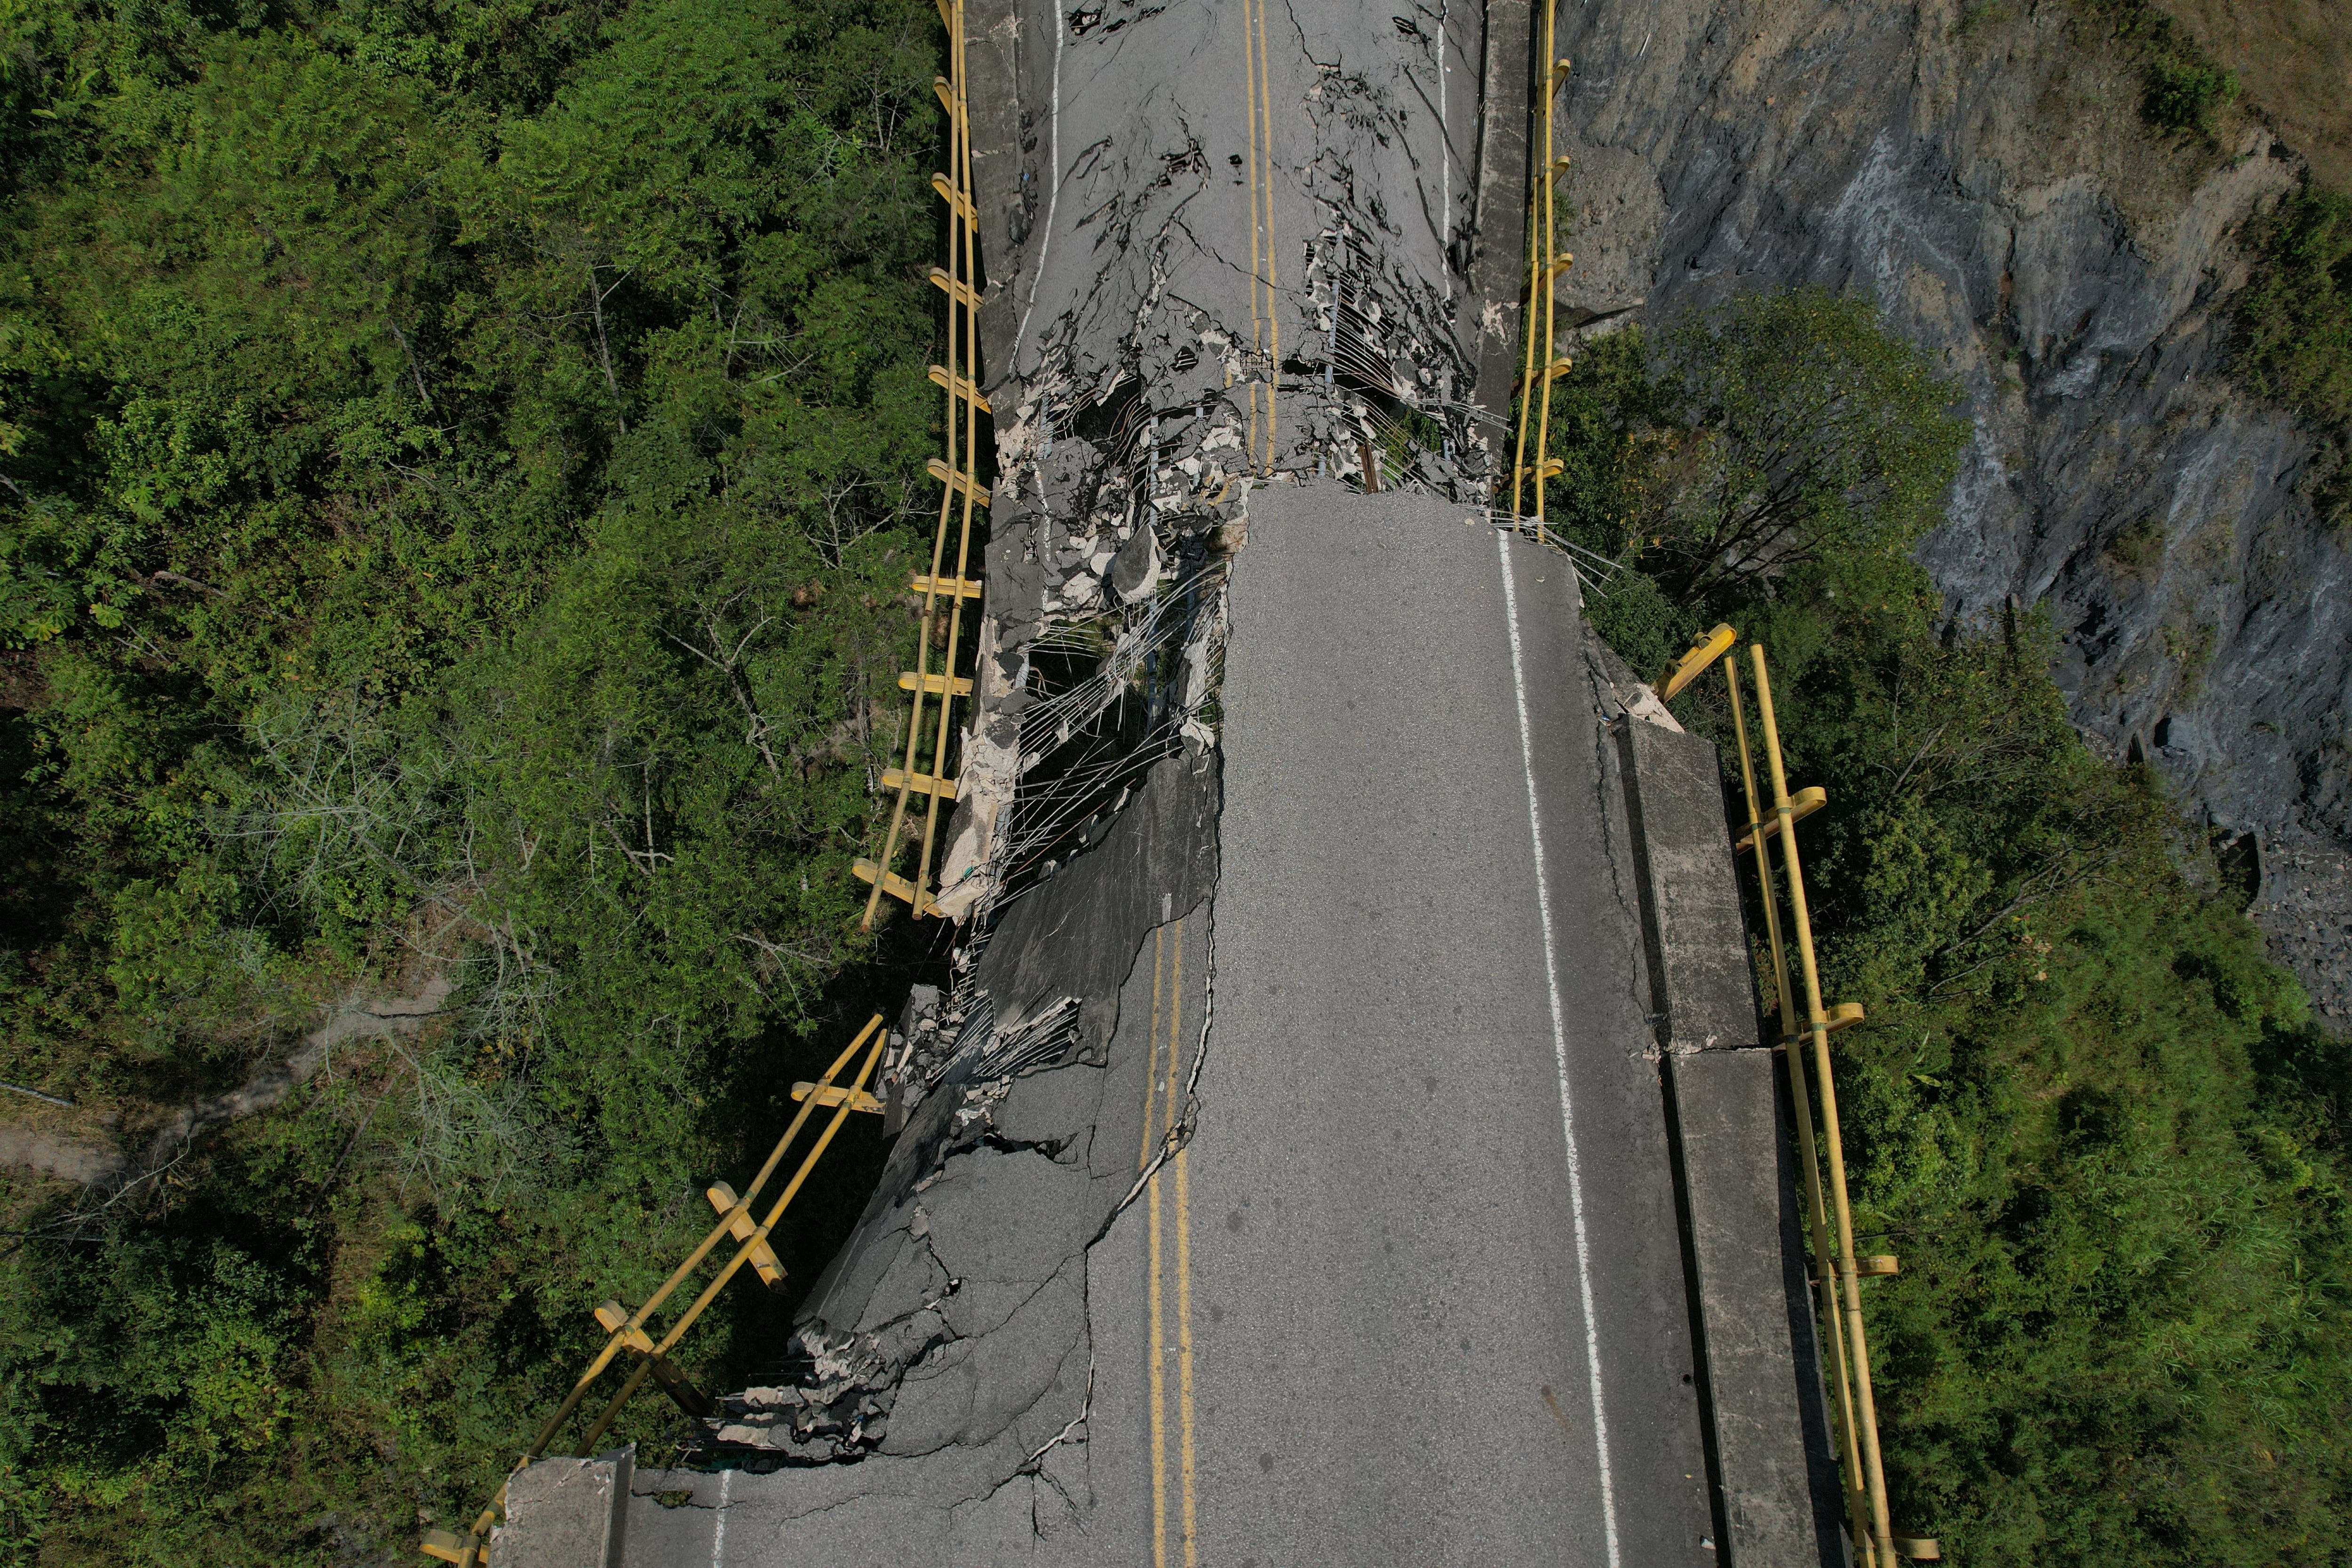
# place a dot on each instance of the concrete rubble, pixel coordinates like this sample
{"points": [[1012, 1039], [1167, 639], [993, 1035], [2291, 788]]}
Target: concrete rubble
{"points": [[1131, 350]]}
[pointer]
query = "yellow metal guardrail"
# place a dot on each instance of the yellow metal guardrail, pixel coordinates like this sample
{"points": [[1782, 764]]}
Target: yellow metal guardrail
{"points": [[1704, 649], [961, 491], [627, 1330], [1545, 262], [1837, 1271]]}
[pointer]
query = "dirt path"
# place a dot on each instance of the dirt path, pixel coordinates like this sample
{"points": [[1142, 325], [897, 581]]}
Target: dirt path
{"points": [[103, 1162]]}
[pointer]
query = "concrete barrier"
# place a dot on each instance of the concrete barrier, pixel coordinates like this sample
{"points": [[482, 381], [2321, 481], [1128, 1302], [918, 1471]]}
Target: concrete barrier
{"points": [[566, 1514], [1729, 1123]]}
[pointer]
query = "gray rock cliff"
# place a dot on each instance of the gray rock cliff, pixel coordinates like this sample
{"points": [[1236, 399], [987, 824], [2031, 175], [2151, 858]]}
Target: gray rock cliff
{"points": [[1985, 174]]}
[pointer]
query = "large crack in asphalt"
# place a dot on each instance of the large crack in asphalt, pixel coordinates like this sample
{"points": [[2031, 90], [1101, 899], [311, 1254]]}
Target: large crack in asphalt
{"points": [[950, 1352]]}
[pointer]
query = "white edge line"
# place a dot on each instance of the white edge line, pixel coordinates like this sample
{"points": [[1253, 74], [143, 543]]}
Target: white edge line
{"points": [[1560, 1054], [719, 1531], [1444, 154], [1053, 193]]}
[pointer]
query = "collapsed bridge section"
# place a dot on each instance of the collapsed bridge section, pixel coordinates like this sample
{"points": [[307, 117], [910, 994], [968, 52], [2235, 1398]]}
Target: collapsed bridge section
{"points": [[1348, 1137]]}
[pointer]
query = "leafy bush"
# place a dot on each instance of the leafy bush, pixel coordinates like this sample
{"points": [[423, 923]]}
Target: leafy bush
{"points": [[461, 468], [2182, 94], [2296, 317], [2093, 1120]]}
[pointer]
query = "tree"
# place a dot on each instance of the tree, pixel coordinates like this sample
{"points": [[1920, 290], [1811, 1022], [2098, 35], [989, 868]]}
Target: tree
{"points": [[1771, 431], [460, 466], [2097, 1126]]}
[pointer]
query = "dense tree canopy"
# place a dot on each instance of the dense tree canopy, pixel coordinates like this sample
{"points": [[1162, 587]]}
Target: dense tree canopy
{"points": [[457, 462]]}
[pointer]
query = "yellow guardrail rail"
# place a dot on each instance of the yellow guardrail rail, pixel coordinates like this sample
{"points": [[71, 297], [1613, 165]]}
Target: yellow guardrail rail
{"points": [[959, 475], [629, 1331], [1545, 262], [1837, 1271]]}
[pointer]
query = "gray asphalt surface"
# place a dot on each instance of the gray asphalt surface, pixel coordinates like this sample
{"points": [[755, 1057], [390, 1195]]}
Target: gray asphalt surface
{"points": [[1401, 1117], [1413, 1294]]}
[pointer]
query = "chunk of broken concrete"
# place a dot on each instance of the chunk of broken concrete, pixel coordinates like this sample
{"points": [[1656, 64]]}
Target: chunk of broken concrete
{"points": [[566, 1514]]}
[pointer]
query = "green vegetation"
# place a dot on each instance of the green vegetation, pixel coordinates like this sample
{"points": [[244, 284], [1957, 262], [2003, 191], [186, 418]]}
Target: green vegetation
{"points": [[2298, 312], [2296, 320], [2183, 94], [2095, 1123], [2183, 87], [459, 464]]}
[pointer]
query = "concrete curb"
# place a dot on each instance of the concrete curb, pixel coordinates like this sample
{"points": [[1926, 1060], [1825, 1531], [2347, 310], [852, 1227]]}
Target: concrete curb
{"points": [[567, 1513], [1728, 1121]]}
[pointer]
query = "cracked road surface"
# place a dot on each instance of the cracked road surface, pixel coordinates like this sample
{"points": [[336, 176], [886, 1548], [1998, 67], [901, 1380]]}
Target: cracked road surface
{"points": [[1413, 1294]]}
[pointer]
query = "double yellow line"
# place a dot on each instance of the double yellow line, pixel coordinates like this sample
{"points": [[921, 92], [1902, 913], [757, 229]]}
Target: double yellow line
{"points": [[1265, 325], [1161, 1095]]}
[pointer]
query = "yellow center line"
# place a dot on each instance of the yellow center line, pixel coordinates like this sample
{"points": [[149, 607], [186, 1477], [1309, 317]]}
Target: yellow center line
{"points": [[1158, 1336], [1151, 1083], [1273, 268], [1257, 322], [1160, 1120], [1184, 1256]]}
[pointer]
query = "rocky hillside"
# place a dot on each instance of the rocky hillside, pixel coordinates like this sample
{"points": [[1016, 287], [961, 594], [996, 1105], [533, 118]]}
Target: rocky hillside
{"points": [[1985, 170]]}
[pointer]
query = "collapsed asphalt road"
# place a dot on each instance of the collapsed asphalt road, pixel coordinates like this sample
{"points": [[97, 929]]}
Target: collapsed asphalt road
{"points": [[1291, 1181], [1407, 1288]]}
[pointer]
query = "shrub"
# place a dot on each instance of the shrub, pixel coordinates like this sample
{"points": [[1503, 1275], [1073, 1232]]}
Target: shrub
{"points": [[2182, 94]]}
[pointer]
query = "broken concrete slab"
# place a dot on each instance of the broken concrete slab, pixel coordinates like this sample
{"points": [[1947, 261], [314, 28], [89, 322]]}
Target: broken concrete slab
{"points": [[1190, 294], [981, 1446], [566, 1514], [1077, 934]]}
